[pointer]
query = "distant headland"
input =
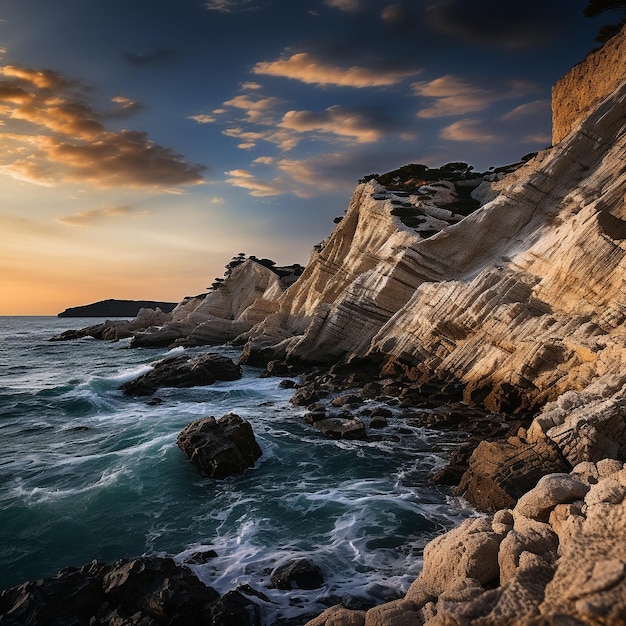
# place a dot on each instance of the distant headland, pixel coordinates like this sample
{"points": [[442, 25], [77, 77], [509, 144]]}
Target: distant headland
{"points": [[116, 308]]}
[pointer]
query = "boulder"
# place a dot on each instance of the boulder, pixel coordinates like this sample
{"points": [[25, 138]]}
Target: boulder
{"points": [[468, 551], [502, 471], [183, 371], [551, 490], [153, 590], [220, 448], [341, 428], [298, 574]]}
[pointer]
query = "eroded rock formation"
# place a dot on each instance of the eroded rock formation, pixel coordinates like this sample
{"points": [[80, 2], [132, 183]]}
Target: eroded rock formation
{"points": [[557, 557]]}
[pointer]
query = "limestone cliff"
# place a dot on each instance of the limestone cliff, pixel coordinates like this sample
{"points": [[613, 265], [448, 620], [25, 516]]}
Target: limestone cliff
{"points": [[588, 83]]}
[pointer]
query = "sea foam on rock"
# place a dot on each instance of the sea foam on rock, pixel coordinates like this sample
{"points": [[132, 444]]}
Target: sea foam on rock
{"points": [[183, 371]]}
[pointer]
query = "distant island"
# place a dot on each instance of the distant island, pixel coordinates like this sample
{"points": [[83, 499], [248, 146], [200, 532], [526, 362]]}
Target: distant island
{"points": [[116, 308]]}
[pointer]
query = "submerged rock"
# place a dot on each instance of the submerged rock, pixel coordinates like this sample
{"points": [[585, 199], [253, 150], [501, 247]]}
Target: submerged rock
{"points": [[183, 371], [220, 448]]}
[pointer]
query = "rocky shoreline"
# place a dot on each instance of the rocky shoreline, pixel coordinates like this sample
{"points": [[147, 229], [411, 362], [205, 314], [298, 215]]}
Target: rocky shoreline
{"points": [[499, 296]]}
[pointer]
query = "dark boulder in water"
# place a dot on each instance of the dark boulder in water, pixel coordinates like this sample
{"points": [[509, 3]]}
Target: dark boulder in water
{"points": [[298, 574], [183, 371], [220, 448], [341, 428], [148, 590]]}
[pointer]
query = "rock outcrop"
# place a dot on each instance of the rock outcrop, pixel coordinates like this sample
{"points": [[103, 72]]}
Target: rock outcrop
{"points": [[245, 298], [113, 330], [183, 371], [220, 448], [141, 591]]}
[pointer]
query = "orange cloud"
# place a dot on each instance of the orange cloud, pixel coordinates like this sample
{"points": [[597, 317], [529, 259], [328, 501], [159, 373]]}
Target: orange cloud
{"points": [[248, 139], [468, 130], [88, 217], [336, 120], [67, 141], [257, 188], [453, 95], [307, 69], [257, 110]]}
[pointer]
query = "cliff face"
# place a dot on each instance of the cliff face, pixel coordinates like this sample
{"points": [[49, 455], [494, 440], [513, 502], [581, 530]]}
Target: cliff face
{"points": [[587, 84], [526, 292]]}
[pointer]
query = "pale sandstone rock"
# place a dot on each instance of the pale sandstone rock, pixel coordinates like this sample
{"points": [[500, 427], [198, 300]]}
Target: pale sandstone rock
{"points": [[469, 551], [395, 613], [338, 616], [539, 539], [551, 490], [590, 583]]}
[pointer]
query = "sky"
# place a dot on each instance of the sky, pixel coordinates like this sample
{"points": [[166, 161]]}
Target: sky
{"points": [[144, 143]]}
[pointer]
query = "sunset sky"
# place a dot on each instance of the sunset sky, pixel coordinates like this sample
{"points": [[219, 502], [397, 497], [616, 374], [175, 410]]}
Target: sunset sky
{"points": [[143, 143]]}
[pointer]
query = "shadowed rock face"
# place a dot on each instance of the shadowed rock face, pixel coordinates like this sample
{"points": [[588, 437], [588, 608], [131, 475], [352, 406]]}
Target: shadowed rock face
{"points": [[151, 590], [220, 448], [183, 371]]}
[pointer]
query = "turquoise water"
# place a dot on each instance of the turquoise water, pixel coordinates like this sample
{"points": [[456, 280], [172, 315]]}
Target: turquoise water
{"points": [[88, 473]]}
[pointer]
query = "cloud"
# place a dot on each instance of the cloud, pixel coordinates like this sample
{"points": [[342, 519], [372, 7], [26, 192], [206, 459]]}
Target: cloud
{"points": [[284, 139], [364, 124], [521, 24], [65, 138], [202, 119], [453, 95], [307, 69], [125, 106], [257, 110], [91, 216], [469, 130], [256, 187], [264, 160], [231, 6], [397, 15], [344, 5], [537, 107]]}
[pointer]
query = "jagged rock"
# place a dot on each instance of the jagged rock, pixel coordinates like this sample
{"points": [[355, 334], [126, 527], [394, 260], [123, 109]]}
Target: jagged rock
{"points": [[234, 609], [298, 574], [502, 471], [220, 448], [183, 371], [341, 428], [153, 590], [113, 330]]}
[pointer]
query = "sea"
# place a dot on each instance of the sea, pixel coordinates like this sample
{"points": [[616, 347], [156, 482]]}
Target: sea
{"points": [[88, 473]]}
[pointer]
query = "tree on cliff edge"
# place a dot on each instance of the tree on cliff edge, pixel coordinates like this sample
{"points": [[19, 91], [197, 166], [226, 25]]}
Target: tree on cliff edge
{"points": [[596, 7]]}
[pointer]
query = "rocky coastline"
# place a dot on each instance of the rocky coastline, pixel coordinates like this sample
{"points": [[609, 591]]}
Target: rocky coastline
{"points": [[489, 303]]}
